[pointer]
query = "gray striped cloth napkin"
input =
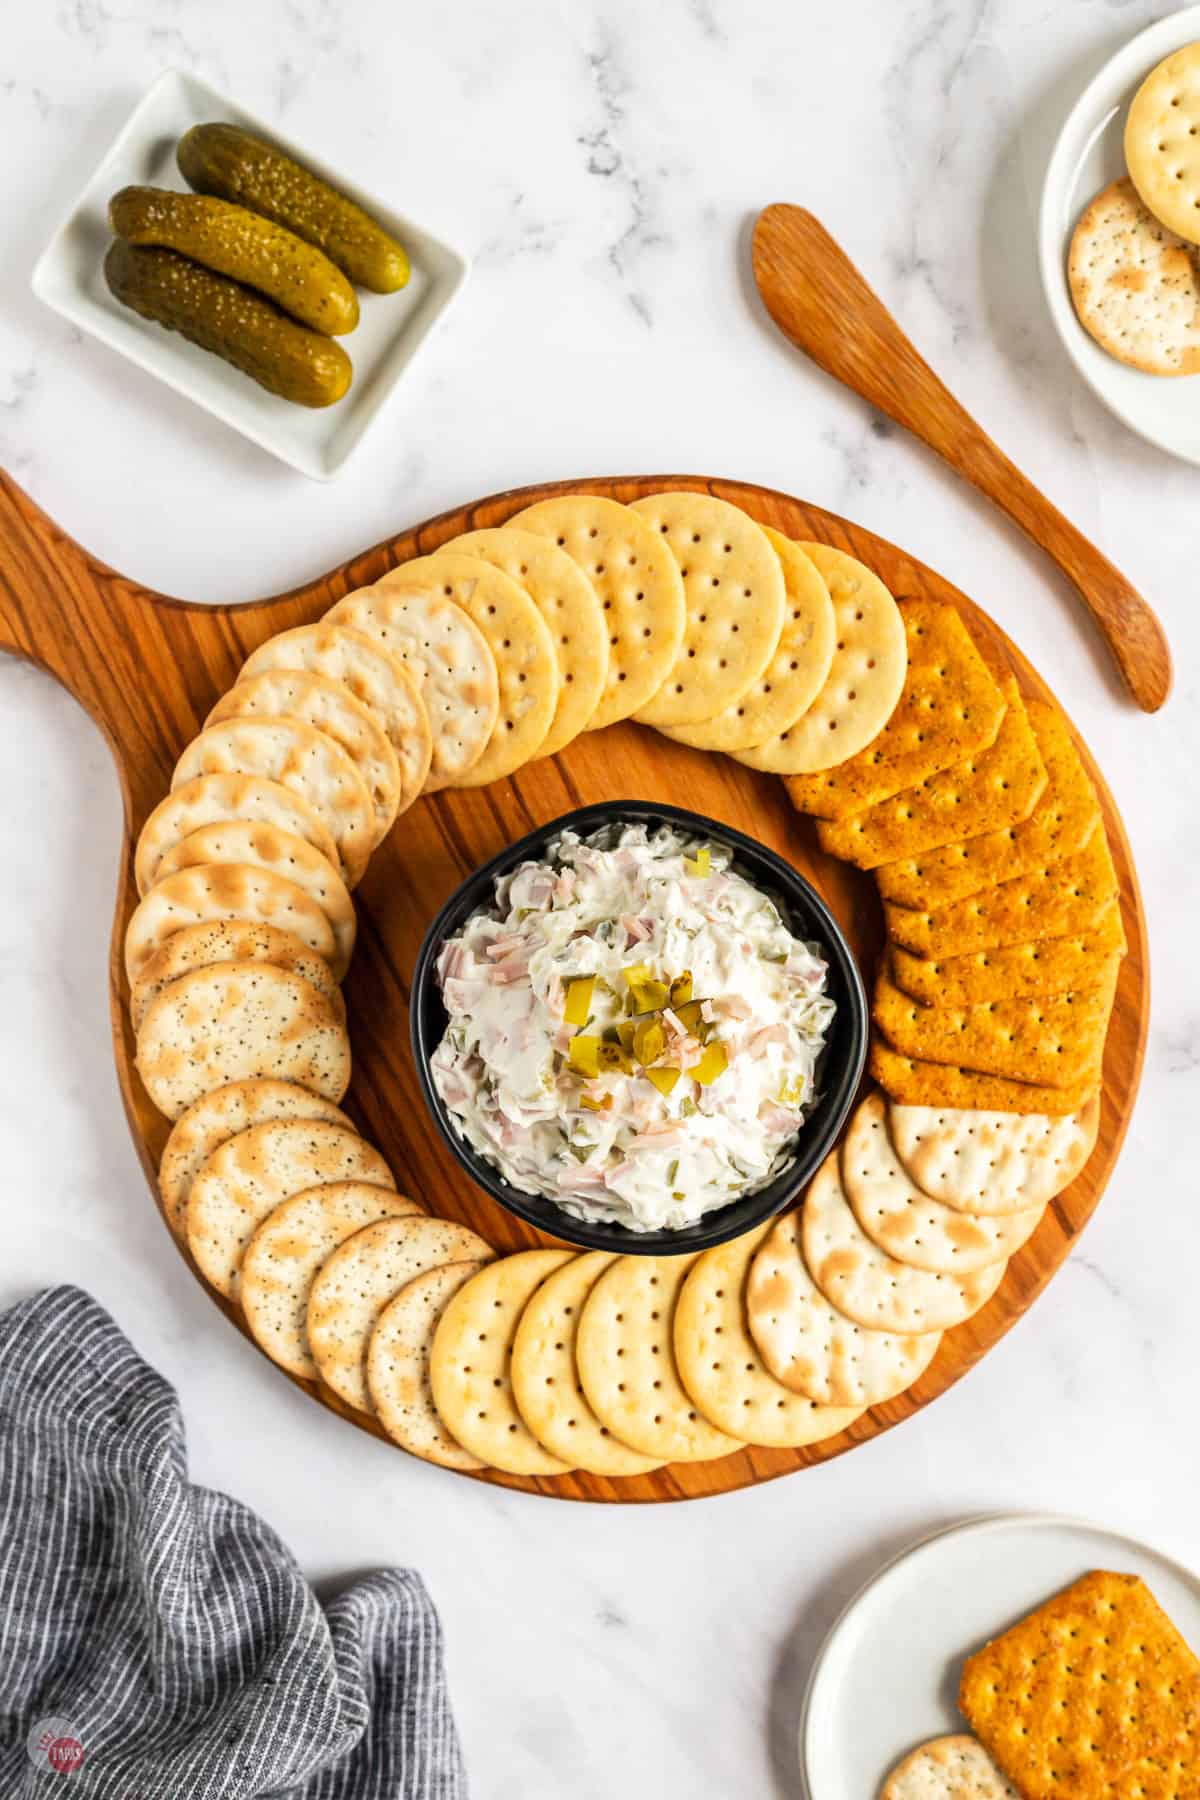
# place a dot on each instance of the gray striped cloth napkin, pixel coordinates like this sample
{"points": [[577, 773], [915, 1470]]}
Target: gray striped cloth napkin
{"points": [[157, 1641]]}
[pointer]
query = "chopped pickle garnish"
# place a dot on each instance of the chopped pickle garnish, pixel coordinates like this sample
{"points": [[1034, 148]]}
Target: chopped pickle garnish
{"points": [[703, 863], [615, 1056], [636, 972], [583, 1054], [690, 1016], [664, 1079], [579, 1000], [596, 1102], [649, 1041], [649, 996], [625, 1029], [681, 989], [791, 1093], [714, 1062]]}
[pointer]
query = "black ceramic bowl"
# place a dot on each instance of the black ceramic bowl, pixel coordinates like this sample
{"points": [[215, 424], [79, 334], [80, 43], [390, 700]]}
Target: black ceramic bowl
{"points": [[838, 1071]]}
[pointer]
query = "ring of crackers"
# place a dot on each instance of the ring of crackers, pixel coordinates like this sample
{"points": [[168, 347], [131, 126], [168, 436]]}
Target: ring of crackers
{"points": [[969, 802]]}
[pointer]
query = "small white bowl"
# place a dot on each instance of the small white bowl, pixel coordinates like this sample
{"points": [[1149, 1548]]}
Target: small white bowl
{"points": [[69, 277], [1086, 157]]}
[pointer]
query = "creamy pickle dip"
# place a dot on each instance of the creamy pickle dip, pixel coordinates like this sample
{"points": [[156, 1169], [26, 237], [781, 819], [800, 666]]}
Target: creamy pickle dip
{"points": [[633, 1029]]}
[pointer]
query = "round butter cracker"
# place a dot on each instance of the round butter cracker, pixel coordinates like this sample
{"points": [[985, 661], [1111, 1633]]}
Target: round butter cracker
{"points": [[239, 1022], [796, 672], [638, 584], [288, 1248], [810, 1346], [865, 680], [545, 1380], [908, 1224], [1135, 284], [948, 1768], [224, 941], [356, 1283], [281, 852], [215, 1117], [521, 646], [1162, 142], [719, 1363], [992, 1162], [398, 1366], [377, 679], [626, 1358], [328, 706], [251, 1174], [569, 604], [869, 1286], [448, 657], [213, 799], [735, 603], [470, 1367], [301, 758], [211, 892]]}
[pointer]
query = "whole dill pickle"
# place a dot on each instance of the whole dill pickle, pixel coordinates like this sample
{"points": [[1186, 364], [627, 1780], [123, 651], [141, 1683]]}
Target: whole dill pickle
{"points": [[241, 244], [231, 321], [235, 165]]}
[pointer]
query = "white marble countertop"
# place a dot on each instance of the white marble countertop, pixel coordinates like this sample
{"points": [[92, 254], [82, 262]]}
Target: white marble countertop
{"points": [[602, 161]]}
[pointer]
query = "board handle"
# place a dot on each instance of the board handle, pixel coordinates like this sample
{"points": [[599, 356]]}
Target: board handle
{"points": [[95, 632], [819, 300]]}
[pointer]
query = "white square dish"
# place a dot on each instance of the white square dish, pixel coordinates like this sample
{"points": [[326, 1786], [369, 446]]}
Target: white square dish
{"points": [[69, 277]]}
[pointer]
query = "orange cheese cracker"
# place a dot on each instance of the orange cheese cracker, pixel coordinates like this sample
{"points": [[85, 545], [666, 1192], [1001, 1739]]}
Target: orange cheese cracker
{"points": [[1087, 1695], [985, 791], [950, 705]]}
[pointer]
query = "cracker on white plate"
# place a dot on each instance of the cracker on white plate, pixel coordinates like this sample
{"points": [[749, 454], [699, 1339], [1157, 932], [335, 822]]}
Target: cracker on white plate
{"points": [[523, 651], [865, 679], [902, 1219], [356, 1282], [470, 1365], [328, 706], [719, 1363], [249, 1175], [449, 659], [638, 584], [796, 672], [948, 1768], [282, 852], [1136, 284], [398, 1354], [211, 799], [217, 1116], [870, 1286], [301, 758], [238, 1022], [211, 892], [992, 1162], [224, 941], [626, 1357], [734, 595], [571, 608], [376, 678], [545, 1379], [288, 1247], [1162, 141], [809, 1345]]}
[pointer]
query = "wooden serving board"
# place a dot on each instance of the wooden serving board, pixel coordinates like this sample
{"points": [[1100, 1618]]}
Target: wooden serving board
{"points": [[148, 668]]}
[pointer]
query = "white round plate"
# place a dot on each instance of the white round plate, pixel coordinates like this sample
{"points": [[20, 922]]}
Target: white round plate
{"points": [[887, 1675], [1087, 156]]}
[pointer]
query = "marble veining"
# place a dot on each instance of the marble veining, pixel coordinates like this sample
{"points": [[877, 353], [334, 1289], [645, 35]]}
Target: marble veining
{"points": [[602, 160]]}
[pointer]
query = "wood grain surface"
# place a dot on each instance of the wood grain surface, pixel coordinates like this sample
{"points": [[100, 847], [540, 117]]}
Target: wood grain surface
{"points": [[819, 300], [148, 668]]}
